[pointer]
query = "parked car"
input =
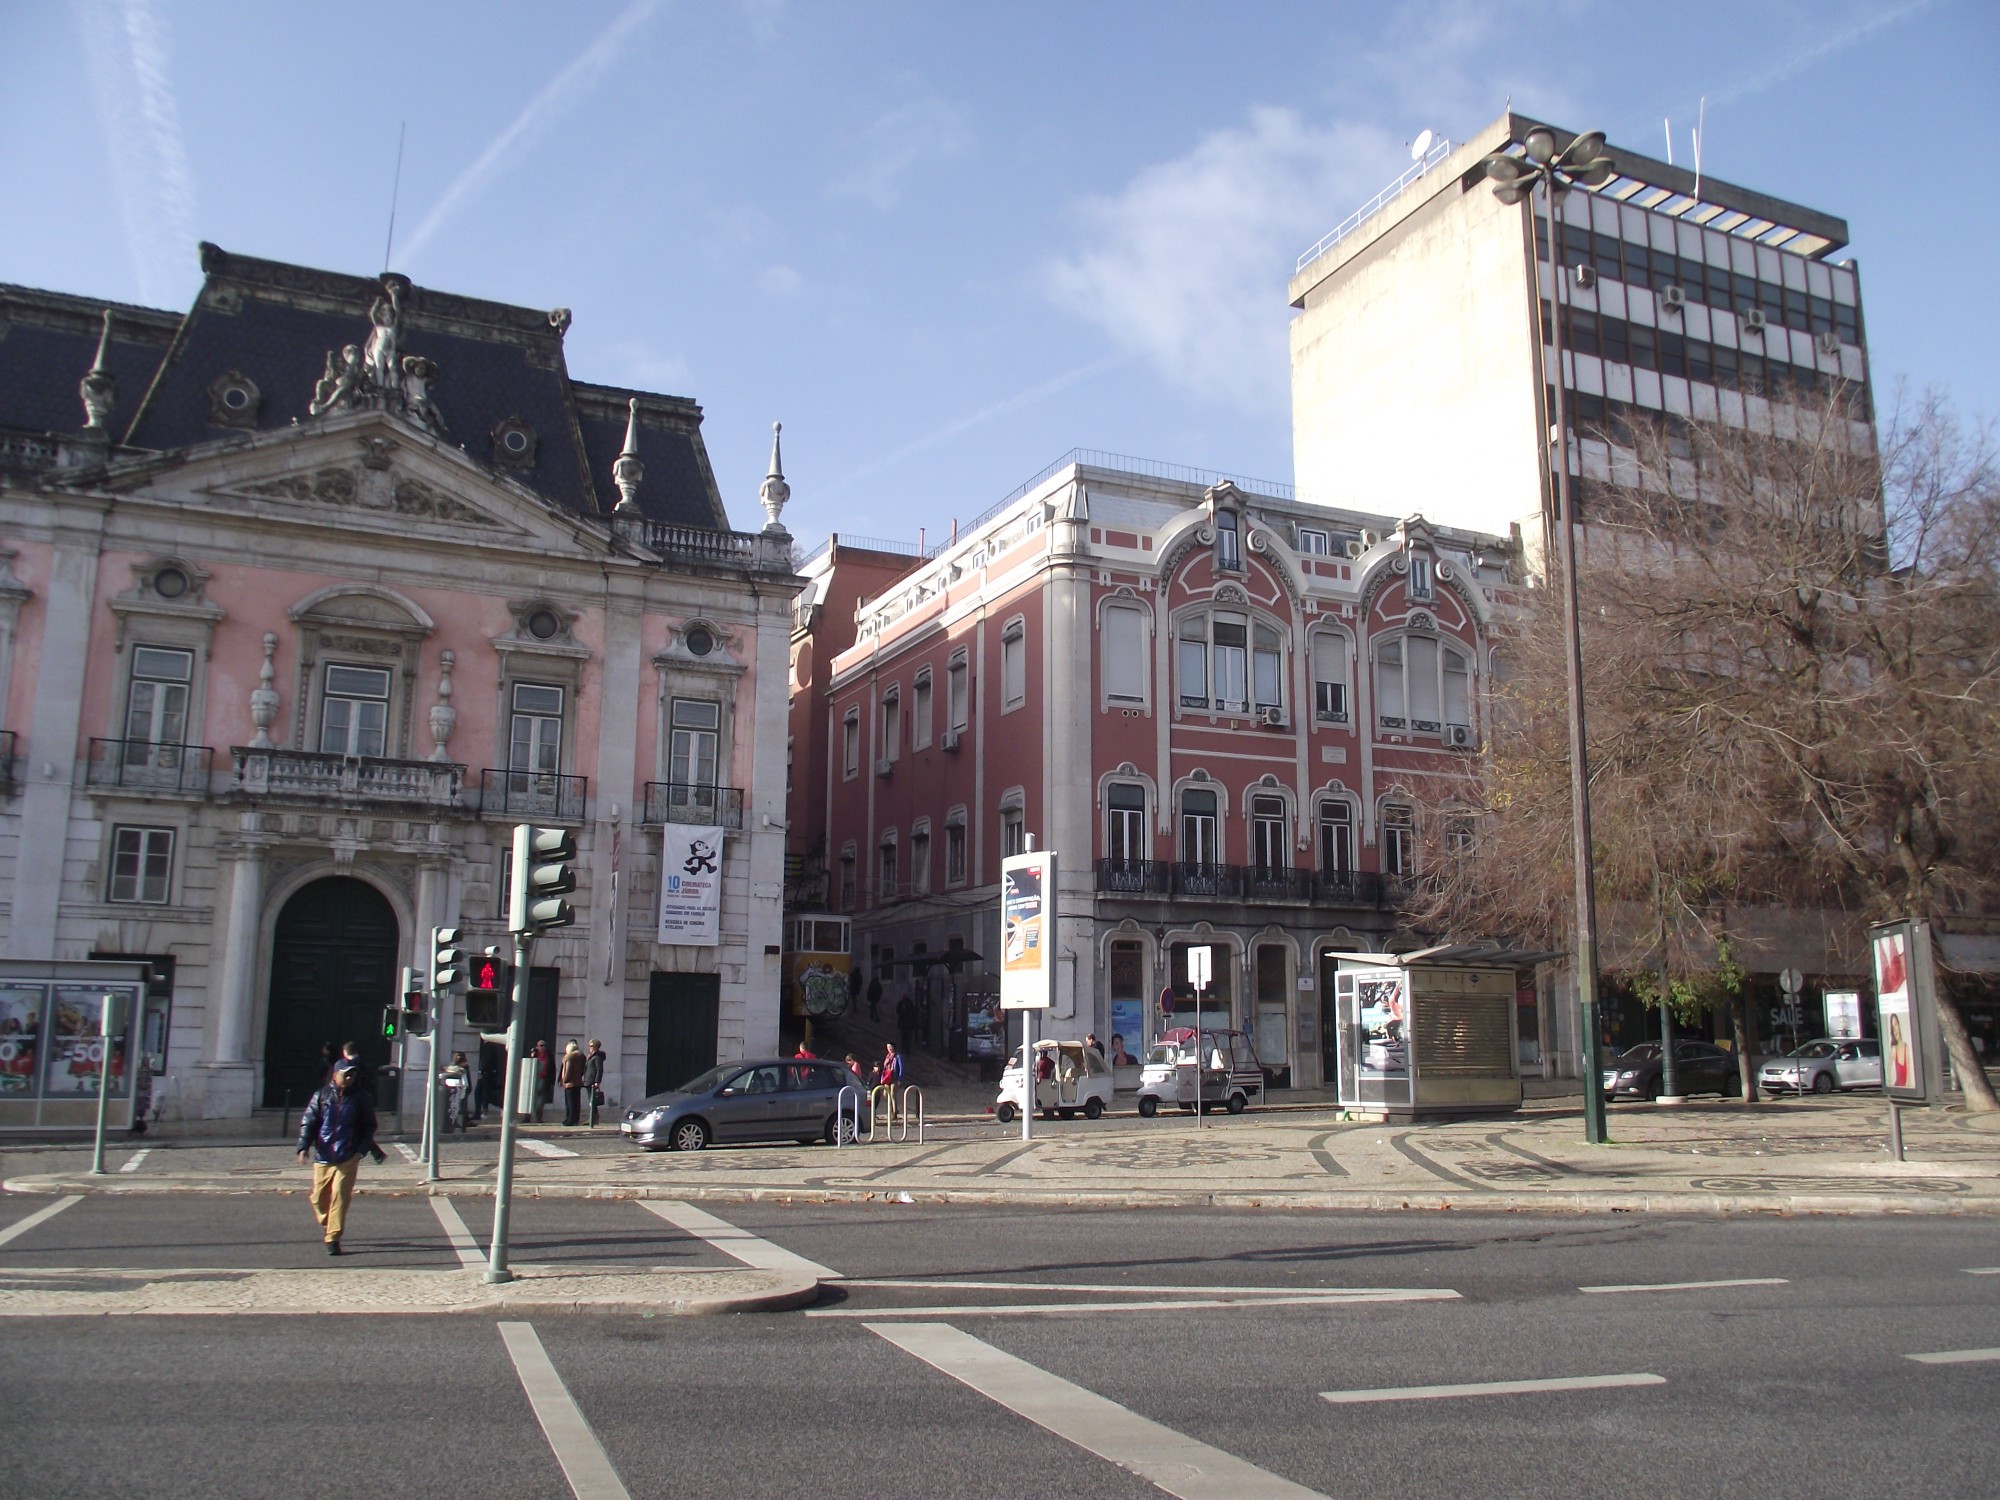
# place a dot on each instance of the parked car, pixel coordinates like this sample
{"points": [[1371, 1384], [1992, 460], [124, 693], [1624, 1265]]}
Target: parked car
{"points": [[1823, 1066], [781, 1099], [1699, 1068]]}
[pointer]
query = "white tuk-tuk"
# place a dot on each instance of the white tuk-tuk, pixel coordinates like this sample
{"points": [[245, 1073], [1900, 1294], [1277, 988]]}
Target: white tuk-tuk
{"points": [[1077, 1078], [1218, 1067]]}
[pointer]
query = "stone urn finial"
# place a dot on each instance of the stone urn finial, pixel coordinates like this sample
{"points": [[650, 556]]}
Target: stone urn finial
{"points": [[774, 492], [264, 697], [628, 471], [444, 718]]}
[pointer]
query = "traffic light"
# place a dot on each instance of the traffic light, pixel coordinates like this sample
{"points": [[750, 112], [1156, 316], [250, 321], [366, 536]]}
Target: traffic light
{"points": [[416, 1013], [487, 997], [447, 959], [544, 861], [392, 1022]]}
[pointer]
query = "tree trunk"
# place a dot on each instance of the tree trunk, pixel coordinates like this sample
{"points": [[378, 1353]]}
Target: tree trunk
{"points": [[1739, 1025], [1964, 1060]]}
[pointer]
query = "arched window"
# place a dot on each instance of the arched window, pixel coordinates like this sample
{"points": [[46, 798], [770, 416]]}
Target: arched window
{"points": [[1229, 662], [1399, 839], [1125, 824], [1336, 837], [1421, 684], [1269, 848], [1200, 835]]}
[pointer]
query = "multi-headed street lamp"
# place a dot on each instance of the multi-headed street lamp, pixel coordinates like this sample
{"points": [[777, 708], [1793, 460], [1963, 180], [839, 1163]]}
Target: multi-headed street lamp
{"points": [[1582, 163]]}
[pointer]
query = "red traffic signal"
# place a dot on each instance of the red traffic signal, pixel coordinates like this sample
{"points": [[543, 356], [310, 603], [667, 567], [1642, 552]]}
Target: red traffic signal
{"points": [[416, 1006], [492, 984]]}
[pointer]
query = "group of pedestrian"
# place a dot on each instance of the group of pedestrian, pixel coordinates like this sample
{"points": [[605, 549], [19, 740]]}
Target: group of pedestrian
{"points": [[907, 1014], [578, 1071]]}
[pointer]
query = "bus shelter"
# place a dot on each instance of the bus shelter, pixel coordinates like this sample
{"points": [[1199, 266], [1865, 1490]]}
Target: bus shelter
{"points": [[1429, 1033], [52, 1046]]}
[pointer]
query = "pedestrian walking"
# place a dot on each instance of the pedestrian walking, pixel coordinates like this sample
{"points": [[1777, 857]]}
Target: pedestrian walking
{"points": [[906, 1019], [875, 997], [325, 1074], [593, 1078], [570, 1075], [338, 1125], [888, 1078], [545, 1079], [350, 1052]]}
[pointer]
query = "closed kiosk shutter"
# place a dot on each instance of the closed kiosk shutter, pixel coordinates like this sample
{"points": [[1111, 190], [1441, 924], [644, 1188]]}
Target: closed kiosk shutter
{"points": [[1463, 1036]]}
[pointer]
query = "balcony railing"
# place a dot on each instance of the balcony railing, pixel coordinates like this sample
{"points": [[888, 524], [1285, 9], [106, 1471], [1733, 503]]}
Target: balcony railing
{"points": [[533, 794], [146, 765], [687, 802], [313, 776], [7, 787], [1206, 882]]}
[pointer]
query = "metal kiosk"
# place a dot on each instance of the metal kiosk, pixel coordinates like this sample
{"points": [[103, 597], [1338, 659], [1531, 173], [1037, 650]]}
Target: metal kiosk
{"points": [[52, 1049], [1428, 1033]]}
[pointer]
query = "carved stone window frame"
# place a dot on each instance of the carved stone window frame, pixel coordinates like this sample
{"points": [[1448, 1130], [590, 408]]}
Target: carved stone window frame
{"points": [[554, 660], [710, 679], [175, 622], [352, 623]]}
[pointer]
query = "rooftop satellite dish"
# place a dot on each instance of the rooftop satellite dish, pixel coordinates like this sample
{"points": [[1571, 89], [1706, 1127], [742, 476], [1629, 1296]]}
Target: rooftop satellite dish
{"points": [[1420, 147]]}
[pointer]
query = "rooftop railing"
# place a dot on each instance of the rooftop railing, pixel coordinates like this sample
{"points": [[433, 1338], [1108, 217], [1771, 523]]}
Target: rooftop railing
{"points": [[1376, 204]]}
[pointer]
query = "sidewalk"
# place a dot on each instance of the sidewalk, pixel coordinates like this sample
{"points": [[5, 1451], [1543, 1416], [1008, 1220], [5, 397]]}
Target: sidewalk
{"points": [[1819, 1155]]}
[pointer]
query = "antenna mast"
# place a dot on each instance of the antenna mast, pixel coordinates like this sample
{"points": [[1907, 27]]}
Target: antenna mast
{"points": [[395, 190]]}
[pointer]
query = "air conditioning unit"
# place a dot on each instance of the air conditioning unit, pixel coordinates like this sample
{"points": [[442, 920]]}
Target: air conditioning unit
{"points": [[1371, 538], [1673, 298], [885, 768], [1272, 718], [1586, 277], [1354, 549], [949, 740], [1752, 319], [1458, 736], [1829, 341]]}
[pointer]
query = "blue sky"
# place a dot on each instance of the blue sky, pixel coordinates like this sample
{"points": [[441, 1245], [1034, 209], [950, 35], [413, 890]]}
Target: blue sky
{"points": [[945, 242]]}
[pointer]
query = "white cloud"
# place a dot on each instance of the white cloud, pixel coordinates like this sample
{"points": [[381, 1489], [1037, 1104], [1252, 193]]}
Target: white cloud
{"points": [[1186, 265], [562, 91], [130, 53], [779, 281], [924, 129]]}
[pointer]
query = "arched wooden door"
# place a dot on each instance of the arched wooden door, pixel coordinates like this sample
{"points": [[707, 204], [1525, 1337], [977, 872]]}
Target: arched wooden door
{"points": [[333, 969]]}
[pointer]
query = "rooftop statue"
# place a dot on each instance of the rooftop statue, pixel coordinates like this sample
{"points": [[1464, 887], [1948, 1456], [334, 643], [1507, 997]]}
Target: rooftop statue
{"points": [[378, 373]]}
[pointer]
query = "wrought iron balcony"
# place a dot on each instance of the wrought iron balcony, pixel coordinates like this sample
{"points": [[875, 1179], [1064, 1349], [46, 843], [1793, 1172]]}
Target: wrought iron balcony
{"points": [[146, 766], [687, 802], [1207, 882], [309, 775], [533, 794]]}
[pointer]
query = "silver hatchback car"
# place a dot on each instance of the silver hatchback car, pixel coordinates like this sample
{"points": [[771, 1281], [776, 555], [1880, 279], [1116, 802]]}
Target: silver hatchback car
{"points": [[1823, 1066], [793, 1098]]}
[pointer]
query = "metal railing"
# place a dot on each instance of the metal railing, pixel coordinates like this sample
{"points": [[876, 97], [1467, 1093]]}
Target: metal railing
{"points": [[690, 802], [346, 778], [1376, 204], [1208, 882], [7, 746], [533, 794], [147, 765]]}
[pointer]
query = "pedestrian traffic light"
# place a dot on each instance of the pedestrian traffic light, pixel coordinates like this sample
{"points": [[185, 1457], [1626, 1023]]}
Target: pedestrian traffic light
{"points": [[544, 869], [447, 959], [486, 999], [417, 1013], [392, 1022]]}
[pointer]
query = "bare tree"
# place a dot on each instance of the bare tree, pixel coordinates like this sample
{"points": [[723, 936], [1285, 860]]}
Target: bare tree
{"points": [[1792, 657]]}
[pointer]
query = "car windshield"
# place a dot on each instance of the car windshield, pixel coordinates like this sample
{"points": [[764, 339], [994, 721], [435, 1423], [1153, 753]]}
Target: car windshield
{"points": [[1163, 1052], [707, 1082], [1814, 1049], [1641, 1053]]}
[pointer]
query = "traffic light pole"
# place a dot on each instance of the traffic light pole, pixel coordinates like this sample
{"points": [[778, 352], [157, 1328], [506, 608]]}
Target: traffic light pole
{"points": [[503, 1183]]}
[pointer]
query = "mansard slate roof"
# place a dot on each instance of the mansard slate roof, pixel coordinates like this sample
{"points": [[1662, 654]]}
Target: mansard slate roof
{"points": [[275, 324]]}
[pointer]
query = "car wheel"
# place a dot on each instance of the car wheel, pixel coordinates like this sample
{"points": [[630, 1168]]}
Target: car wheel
{"points": [[844, 1125], [1822, 1083], [1237, 1104], [688, 1135], [1048, 1114], [1148, 1107], [1092, 1108], [1732, 1087], [1005, 1114]]}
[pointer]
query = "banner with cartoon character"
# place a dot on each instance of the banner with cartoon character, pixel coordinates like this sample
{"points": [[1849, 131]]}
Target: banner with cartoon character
{"points": [[691, 885]]}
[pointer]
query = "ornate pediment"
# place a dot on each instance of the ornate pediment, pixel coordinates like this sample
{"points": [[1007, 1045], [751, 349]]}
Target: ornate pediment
{"points": [[355, 488]]}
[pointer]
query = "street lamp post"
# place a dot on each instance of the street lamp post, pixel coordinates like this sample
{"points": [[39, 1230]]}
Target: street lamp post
{"points": [[1582, 163]]}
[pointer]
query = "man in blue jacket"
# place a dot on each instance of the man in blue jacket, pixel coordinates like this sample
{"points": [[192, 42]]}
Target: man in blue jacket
{"points": [[338, 1125]]}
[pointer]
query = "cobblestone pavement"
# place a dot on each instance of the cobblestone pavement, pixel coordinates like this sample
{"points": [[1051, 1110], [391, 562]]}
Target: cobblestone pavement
{"points": [[1826, 1155]]}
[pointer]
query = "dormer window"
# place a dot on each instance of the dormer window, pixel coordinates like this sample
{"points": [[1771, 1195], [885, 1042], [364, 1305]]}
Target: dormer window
{"points": [[1228, 541], [1420, 578]]}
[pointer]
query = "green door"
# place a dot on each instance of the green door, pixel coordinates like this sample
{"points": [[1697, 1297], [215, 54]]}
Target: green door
{"points": [[681, 1014], [333, 969]]}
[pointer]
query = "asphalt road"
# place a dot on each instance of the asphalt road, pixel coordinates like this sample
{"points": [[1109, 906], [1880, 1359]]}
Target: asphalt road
{"points": [[1786, 1373]]}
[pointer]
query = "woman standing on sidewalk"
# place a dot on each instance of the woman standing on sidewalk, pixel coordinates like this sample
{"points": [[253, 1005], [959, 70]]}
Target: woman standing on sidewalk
{"points": [[571, 1075], [593, 1078]]}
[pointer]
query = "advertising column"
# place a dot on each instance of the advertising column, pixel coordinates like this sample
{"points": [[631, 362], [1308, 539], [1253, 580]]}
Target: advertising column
{"points": [[1027, 957], [1906, 1012]]}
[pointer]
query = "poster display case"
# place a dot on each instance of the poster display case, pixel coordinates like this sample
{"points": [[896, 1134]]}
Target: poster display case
{"points": [[52, 1047]]}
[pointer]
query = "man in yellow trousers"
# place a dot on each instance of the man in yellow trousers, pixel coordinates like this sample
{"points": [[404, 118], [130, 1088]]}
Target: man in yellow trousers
{"points": [[338, 1125]]}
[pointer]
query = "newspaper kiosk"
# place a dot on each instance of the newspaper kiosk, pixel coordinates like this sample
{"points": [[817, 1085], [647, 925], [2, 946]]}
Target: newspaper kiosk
{"points": [[52, 1048], [1428, 1033]]}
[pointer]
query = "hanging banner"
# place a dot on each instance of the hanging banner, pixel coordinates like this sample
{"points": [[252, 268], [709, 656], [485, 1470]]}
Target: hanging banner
{"points": [[691, 885], [1027, 931]]}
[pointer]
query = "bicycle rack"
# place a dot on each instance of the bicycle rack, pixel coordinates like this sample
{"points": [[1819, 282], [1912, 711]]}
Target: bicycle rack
{"points": [[840, 1114], [900, 1127]]}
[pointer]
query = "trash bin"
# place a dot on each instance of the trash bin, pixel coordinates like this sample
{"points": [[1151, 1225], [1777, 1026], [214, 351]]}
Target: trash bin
{"points": [[388, 1088]]}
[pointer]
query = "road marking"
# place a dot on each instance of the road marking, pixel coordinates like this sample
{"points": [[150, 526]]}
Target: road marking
{"points": [[741, 1244], [583, 1460], [469, 1255], [1172, 1460], [137, 1156], [40, 1216], [1957, 1357], [1489, 1388], [1025, 1309], [408, 1154], [543, 1148], [1982, 1270], [1684, 1286], [1368, 1293]]}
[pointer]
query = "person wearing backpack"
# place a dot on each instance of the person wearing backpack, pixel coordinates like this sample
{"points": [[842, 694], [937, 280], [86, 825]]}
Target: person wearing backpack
{"points": [[337, 1126]]}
